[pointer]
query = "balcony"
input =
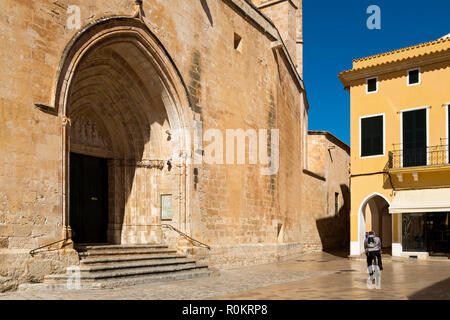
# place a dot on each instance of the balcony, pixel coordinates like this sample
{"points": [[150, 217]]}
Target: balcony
{"points": [[419, 157], [419, 168]]}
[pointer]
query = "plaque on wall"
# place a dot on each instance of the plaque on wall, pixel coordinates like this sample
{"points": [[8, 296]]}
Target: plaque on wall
{"points": [[166, 207]]}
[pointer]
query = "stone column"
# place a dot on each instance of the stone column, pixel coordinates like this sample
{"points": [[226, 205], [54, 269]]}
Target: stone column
{"points": [[66, 229]]}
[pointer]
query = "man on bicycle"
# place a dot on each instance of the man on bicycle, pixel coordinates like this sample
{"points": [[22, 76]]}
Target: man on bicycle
{"points": [[372, 245]]}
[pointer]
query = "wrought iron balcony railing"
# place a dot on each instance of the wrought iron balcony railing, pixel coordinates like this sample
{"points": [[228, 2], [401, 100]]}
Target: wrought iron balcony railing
{"points": [[419, 157]]}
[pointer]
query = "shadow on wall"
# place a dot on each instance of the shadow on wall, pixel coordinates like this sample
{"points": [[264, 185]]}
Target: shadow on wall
{"points": [[334, 231], [207, 11], [437, 291]]}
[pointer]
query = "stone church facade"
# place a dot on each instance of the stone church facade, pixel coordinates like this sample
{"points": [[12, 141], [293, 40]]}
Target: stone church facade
{"points": [[116, 107]]}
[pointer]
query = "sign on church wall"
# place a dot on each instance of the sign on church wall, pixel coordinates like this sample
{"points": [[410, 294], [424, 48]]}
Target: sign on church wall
{"points": [[166, 207]]}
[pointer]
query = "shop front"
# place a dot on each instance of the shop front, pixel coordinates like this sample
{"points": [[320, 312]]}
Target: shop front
{"points": [[426, 232], [424, 222]]}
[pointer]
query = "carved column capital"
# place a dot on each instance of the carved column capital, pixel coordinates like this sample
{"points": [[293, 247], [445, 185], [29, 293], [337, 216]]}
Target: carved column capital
{"points": [[66, 121]]}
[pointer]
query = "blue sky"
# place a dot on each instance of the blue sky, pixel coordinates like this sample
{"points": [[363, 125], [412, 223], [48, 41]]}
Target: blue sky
{"points": [[335, 32]]}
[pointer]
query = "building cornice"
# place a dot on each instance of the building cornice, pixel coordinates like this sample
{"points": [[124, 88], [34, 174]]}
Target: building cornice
{"points": [[398, 65], [393, 53]]}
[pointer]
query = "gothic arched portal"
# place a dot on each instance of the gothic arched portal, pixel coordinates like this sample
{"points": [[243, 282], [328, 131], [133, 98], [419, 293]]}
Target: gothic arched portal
{"points": [[120, 96]]}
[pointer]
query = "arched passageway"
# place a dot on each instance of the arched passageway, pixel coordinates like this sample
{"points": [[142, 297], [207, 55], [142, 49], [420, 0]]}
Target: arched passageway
{"points": [[374, 216]]}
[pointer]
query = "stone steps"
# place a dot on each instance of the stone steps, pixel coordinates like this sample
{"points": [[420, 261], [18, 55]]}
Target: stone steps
{"points": [[133, 264], [94, 260], [88, 251], [124, 272], [109, 266], [88, 247], [120, 282]]}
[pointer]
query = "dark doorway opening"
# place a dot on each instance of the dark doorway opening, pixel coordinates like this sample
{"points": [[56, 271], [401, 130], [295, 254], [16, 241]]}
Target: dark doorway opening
{"points": [[88, 198], [437, 233]]}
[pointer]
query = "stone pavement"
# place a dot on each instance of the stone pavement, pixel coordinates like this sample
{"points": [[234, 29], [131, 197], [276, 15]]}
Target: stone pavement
{"points": [[312, 276]]}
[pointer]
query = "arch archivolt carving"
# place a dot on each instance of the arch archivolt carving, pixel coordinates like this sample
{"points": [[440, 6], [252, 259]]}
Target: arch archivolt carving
{"points": [[87, 130]]}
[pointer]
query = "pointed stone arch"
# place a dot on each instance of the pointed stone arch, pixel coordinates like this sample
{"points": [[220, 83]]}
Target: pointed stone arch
{"points": [[117, 78]]}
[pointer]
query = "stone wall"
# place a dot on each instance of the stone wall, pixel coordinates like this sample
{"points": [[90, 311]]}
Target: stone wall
{"points": [[327, 175], [232, 207], [18, 266], [287, 15]]}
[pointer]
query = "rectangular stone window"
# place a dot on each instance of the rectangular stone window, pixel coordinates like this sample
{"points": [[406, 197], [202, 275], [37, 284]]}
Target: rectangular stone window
{"points": [[237, 42], [372, 136]]}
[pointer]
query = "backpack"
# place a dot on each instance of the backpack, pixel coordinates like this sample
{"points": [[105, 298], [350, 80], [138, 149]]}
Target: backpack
{"points": [[371, 242]]}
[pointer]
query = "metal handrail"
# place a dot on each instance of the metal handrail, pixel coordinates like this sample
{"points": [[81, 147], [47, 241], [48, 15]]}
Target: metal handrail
{"points": [[412, 157], [33, 252], [165, 225]]}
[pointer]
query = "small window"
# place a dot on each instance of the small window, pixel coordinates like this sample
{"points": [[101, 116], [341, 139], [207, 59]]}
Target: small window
{"points": [[372, 85], [413, 77], [237, 42], [372, 136]]}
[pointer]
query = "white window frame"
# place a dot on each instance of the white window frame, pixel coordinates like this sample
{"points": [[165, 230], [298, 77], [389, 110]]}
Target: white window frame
{"points": [[384, 135], [428, 130], [407, 77], [367, 85]]}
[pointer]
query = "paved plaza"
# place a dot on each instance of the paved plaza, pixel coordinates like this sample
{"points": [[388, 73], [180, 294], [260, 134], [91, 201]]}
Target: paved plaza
{"points": [[312, 276]]}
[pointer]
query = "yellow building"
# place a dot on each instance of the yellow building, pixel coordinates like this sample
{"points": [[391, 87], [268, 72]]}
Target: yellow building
{"points": [[400, 170]]}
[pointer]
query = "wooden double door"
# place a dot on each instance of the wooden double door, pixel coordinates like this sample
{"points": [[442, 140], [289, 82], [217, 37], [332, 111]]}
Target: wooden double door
{"points": [[88, 198]]}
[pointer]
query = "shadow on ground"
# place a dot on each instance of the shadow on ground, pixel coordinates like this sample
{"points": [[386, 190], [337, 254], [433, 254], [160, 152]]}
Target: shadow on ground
{"points": [[338, 252], [438, 291]]}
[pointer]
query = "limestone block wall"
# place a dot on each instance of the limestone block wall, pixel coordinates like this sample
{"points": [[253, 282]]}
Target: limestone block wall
{"points": [[284, 16], [232, 207], [288, 17], [239, 205], [299, 37], [327, 181]]}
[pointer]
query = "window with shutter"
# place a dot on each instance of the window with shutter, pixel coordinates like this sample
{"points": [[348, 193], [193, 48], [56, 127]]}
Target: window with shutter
{"points": [[372, 136]]}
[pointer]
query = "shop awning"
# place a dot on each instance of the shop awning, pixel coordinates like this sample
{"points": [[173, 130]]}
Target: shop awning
{"points": [[427, 200]]}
